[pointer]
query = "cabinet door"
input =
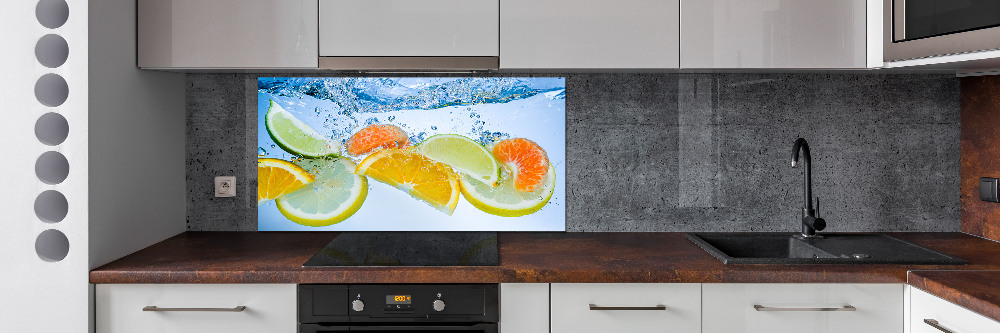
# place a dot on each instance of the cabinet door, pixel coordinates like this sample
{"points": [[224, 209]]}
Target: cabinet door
{"points": [[626, 307], [802, 308], [773, 34], [524, 308], [409, 28], [227, 34], [269, 308], [951, 317], [589, 34]]}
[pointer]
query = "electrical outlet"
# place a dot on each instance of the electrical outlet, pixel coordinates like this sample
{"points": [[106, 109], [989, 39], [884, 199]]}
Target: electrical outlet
{"points": [[988, 189], [225, 186]]}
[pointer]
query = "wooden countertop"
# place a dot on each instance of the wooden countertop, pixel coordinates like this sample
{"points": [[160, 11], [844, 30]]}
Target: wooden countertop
{"points": [[978, 291], [277, 257]]}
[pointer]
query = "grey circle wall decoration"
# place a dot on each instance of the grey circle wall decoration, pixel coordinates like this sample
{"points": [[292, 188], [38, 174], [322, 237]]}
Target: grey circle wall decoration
{"points": [[52, 167], [51, 50], [51, 206], [52, 13], [51, 129], [52, 245], [51, 90]]}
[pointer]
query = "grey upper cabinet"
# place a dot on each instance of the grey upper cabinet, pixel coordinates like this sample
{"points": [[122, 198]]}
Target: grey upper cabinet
{"points": [[221, 34], [409, 34], [585, 34], [779, 34], [407, 28], [523, 34]]}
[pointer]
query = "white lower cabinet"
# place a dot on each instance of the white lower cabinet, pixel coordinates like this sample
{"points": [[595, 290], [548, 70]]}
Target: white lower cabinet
{"points": [[802, 308], [930, 314], [196, 308], [626, 307]]}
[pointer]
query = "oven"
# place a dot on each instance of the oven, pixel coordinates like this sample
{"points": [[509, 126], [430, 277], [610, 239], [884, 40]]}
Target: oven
{"points": [[465, 308], [927, 28]]}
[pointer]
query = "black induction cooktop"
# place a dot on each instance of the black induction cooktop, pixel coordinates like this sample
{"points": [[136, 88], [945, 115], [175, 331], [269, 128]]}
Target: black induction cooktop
{"points": [[409, 249]]}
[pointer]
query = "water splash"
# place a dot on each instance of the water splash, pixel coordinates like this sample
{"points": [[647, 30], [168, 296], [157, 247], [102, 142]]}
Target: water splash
{"points": [[379, 95]]}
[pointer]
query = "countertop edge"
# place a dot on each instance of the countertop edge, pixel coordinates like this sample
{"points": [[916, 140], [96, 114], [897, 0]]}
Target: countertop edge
{"points": [[936, 283]]}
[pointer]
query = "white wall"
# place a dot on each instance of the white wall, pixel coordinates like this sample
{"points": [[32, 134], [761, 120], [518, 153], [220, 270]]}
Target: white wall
{"points": [[137, 184], [125, 150], [37, 295]]}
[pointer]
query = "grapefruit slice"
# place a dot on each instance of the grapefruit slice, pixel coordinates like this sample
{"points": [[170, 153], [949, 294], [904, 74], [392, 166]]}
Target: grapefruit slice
{"points": [[376, 136], [524, 161]]}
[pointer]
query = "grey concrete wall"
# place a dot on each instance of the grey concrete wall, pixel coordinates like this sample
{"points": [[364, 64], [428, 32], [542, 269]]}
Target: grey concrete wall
{"points": [[683, 152]]}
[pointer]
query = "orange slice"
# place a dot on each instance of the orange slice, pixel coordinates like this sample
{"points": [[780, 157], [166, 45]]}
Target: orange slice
{"points": [[524, 160], [376, 136], [425, 179], [278, 177]]}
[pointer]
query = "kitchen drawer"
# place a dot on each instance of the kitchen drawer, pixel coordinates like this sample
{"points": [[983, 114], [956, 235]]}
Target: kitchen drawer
{"points": [[949, 316], [729, 308], [642, 307], [269, 308]]}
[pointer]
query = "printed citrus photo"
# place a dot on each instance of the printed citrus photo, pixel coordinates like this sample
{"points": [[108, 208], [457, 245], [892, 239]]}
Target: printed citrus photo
{"points": [[411, 154]]}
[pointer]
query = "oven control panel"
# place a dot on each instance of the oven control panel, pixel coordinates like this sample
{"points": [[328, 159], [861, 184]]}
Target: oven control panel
{"points": [[398, 303]]}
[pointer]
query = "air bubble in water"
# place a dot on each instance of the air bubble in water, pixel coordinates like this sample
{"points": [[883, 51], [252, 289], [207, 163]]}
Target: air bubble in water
{"points": [[434, 128], [272, 146], [261, 151], [391, 118]]}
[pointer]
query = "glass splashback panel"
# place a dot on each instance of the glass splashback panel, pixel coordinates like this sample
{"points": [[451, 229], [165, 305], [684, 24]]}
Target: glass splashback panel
{"points": [[411, 154]]}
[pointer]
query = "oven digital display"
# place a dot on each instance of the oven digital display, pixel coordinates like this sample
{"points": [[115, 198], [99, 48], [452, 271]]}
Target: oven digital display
{"points": [[397, 299]]}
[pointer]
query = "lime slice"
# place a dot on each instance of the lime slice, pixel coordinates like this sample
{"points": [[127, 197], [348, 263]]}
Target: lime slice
{"points": [[336, 194], [504, 199], [295, 137], [463, 155]]}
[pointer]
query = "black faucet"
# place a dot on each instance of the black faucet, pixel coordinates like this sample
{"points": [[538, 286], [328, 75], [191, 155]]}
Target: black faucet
{"points": [[810, 222]]}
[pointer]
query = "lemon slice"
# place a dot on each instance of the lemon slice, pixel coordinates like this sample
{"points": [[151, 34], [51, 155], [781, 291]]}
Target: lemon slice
{"points": [[295, 137], [505, 199], [463, 155], [278, 177], [422, 178], [336, 194]]}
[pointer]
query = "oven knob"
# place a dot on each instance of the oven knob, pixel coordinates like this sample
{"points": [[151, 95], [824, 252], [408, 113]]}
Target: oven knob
{"points": [[438, 305], [358, 305]]}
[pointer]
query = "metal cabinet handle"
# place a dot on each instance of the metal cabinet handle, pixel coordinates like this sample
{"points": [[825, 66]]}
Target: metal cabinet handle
{"points": [[233, 309], [759, 307], [616, 308], [935, 324]]}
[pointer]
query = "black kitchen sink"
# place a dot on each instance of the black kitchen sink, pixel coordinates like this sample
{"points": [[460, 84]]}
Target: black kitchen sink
{"points": [[792, 249]]}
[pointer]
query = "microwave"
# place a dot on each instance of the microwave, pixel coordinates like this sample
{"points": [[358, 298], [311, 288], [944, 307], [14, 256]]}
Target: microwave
{"points": [[915, 29]]}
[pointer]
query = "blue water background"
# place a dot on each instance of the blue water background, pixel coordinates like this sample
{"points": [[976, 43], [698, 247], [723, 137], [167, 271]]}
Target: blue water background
{"points": [[484, 109]]}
